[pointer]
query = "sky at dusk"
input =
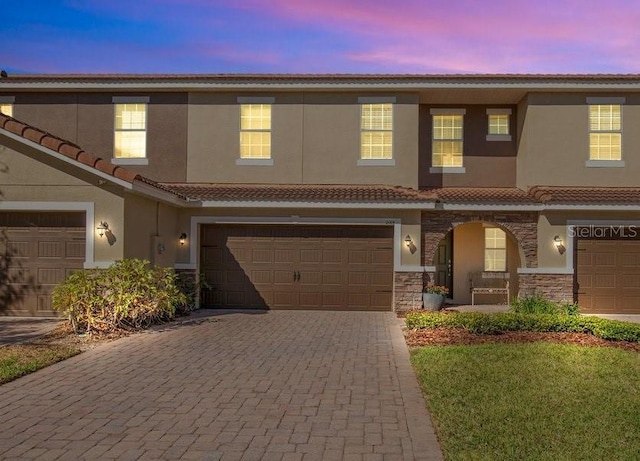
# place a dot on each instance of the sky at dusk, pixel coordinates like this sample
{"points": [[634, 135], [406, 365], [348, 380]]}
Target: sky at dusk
{"points": [[320, 36]]}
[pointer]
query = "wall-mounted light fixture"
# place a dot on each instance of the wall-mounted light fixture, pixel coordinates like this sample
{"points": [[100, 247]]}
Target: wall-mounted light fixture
{"points": [[410, 244], [102, 228], [557, 241], [183, 238]]}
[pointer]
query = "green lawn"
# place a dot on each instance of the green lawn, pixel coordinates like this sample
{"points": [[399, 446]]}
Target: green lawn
{"points": [[537, 401], [19, 360]]}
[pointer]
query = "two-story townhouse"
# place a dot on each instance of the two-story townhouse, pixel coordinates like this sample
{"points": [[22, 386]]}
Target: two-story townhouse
{"points": [[325, 191]]}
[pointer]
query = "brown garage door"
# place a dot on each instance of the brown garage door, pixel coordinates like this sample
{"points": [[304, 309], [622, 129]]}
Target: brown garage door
{"points": [[40, 249], [608, 276], [298, 267]]}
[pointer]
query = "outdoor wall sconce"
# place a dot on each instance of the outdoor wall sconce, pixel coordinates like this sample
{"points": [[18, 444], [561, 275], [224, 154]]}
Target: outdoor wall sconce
{"points": [[183, 238], [409, 242], [102, 228], [557, 241]]}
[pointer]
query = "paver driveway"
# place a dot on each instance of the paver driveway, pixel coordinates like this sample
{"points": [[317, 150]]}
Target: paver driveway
{"points": [[277, 385]]}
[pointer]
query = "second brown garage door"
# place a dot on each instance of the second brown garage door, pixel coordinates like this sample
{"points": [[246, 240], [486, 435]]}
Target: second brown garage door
{"points": [[39, 250], [608, 276], [298, 267]]}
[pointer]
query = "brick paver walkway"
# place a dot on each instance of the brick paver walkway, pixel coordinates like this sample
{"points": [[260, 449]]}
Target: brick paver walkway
{"points": [[271, 386]]}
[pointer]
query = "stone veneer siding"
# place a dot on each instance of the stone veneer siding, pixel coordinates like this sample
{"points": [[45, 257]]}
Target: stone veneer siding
{"points": [[523, 225], [556, 287], [407, 291]]}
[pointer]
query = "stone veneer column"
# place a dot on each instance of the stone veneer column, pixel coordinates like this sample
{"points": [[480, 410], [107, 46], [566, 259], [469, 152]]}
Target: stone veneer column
{"points": [[555, 287], [407, 291]]}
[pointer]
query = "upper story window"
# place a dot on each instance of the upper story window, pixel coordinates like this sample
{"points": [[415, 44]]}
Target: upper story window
{"points": [[6, 109], [255, 131], [6, 105], [605, 132], [447, 143], [499, 125], [130, 133], [376, 131], [495, 249]]}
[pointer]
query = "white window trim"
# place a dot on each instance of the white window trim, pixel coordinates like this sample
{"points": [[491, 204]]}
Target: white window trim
{"points": [[595, 163], [129, 161], [377, 100], [254, 161], [132, 160], [447, 169], [499, 137], [376, 162], [604, 163], [256, 100], [251, 161]]}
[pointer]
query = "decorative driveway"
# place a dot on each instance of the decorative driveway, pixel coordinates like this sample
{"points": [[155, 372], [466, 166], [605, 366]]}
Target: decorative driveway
{"points": [[279, 385]]}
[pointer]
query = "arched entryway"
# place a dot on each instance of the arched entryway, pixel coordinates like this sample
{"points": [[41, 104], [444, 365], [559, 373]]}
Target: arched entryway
{"points": [[474, 247]]}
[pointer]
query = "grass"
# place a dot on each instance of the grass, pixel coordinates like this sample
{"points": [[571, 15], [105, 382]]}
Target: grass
{"points": [[19, 360], [539, 401]]}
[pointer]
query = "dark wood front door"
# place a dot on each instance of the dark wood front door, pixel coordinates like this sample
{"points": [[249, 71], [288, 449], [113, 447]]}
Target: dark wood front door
{"points": [[444, 263], [298, 267]]}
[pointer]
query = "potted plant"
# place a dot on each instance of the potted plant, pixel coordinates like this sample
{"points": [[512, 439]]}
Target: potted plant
{"points": [[433, 297]]}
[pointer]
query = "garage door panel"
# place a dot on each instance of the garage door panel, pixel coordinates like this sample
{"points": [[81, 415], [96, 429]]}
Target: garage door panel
{"points": [[46, 247], [311, 266], [602, 281], [74, 250], [608, 276], [262, 256]]}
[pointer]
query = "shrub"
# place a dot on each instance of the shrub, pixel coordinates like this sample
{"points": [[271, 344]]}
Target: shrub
{"points": [[536, 304], [130, 295], [476, 322]]}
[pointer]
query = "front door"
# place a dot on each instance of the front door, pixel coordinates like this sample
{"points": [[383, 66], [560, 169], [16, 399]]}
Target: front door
{"points": [[444, 263]]}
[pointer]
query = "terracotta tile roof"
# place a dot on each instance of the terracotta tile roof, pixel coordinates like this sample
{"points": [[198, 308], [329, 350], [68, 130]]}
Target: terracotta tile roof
{"points": [[553, 195], [320, 193], [72, 151], [322, 78], [483, 195]]}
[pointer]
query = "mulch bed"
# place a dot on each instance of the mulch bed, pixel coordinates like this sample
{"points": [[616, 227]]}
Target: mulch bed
{"points": [[459, 336]]}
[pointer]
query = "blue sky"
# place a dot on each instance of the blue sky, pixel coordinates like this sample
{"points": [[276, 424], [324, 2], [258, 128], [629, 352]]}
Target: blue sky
{"points": [[320, 36]]}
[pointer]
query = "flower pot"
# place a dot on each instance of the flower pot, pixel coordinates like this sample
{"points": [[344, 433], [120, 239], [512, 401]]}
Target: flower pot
{"points": [[432, 301]]}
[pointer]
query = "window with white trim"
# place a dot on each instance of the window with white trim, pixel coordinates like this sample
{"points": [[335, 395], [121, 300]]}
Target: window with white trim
{"points": [[605, 132], [255, 131], [495, 249], [6, 109], [376, 131], [447, 143], [499, 124], [130, 139]]}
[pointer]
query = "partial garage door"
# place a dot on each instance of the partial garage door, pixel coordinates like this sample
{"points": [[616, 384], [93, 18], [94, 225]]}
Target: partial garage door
{"points": [[298, 267], [608, 275], [39, 250]]}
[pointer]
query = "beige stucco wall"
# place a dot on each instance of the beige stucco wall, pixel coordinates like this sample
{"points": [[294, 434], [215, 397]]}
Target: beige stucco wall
{"points": [[315, 140], [151, 231], [88, 120], [554, 143], [548, 227], [27, 180]]}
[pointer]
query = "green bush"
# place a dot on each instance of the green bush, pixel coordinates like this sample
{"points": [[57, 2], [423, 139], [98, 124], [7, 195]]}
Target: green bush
{"points": [[130, 295], [476, 322], [536, 304]]}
